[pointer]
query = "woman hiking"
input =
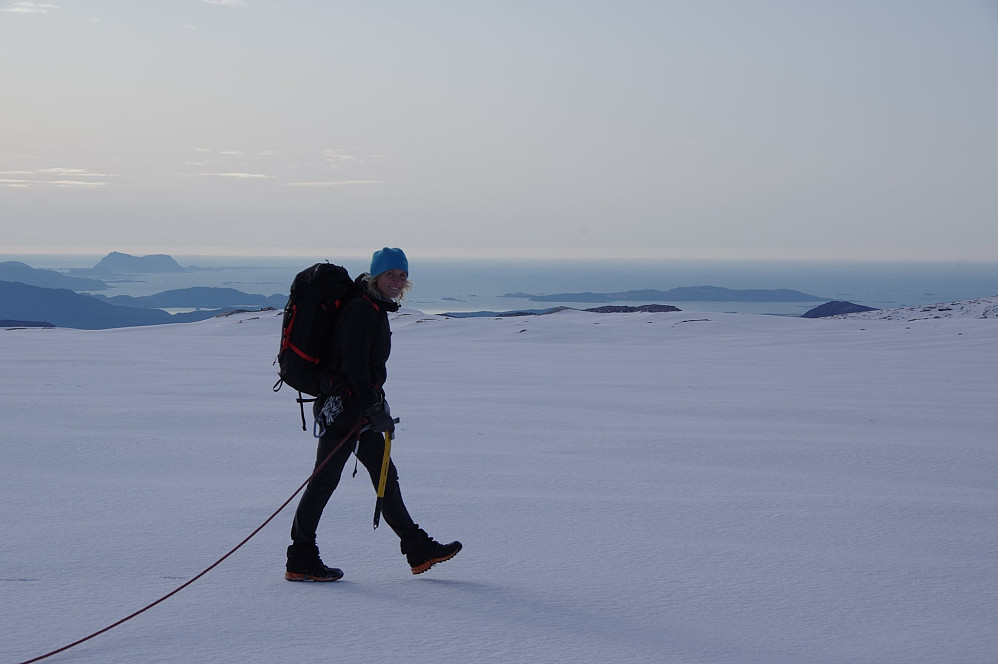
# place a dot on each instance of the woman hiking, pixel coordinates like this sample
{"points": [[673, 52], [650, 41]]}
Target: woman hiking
{"points": [[352, 385]]}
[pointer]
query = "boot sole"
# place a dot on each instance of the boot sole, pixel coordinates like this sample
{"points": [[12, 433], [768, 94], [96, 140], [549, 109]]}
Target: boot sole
{"points": [[419, 569], [294, 576]]}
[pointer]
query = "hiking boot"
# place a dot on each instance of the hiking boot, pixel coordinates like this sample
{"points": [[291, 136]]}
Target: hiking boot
{"points": [[423, 552], [304, 564]]}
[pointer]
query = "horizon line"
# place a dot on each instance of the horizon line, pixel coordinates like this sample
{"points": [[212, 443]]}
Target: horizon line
{"points": [[753, 254]]}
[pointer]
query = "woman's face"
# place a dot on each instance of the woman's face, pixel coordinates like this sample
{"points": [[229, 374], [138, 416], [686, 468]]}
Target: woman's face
{"points": [[391, 283]]}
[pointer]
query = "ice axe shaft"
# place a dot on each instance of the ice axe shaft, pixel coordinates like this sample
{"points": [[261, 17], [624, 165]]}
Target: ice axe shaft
{"points": [[383, 480]]}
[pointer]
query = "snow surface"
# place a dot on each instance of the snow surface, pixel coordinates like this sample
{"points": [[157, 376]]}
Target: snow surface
{"points": [[981, 307], [671, 487]]}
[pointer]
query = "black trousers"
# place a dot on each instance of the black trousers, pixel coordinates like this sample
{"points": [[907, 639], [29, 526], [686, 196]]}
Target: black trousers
{"points": [[370, 452]]}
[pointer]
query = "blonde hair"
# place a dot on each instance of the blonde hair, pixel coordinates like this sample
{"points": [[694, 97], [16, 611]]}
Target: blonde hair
{"points": [[368, 281]]}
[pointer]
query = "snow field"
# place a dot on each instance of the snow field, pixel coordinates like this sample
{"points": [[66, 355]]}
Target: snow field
{"points": [[675, 487]]}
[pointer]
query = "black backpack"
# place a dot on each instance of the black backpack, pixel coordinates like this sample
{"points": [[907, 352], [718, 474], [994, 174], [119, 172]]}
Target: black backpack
{"points": [[318, 293]]}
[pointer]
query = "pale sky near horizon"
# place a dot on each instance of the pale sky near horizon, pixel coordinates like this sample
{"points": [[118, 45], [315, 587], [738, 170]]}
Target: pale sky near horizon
{"points": [[705, 129]]}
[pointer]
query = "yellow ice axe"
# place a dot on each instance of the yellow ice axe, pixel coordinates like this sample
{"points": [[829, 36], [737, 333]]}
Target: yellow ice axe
{"points": [[383, 480]]}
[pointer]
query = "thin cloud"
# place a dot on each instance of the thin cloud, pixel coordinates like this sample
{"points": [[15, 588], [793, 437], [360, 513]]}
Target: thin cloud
{"points": [[77, 184], [64, 184], [238, 175], [28, 8], [338, 157], [225, 3], [72, 171], [335, 183], [55, 177]]}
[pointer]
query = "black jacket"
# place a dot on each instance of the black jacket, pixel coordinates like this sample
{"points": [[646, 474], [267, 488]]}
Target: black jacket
{"points": [[362, 343]]}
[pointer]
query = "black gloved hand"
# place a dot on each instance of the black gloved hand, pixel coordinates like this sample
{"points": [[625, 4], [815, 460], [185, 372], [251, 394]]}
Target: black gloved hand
{"points": [[378, 419]]}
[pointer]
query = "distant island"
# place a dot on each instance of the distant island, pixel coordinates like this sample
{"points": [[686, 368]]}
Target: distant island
{"points": [[116, 263], [682, 294], [609, 309], [60, 307], [25, 274], [47, 298], [198, 297]]}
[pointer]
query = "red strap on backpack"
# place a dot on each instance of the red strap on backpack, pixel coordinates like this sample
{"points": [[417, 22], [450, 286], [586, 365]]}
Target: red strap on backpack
{"points": [[286, 341]]}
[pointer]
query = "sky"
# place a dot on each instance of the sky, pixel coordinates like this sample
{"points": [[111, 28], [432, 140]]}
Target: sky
{"points": [[541, 128]]}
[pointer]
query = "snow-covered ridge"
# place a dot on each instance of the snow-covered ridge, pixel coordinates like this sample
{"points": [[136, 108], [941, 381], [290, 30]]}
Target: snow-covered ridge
{"points": [[981, 307]]}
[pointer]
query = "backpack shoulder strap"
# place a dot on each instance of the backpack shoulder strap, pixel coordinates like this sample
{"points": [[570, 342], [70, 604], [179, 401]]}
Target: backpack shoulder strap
{"points": [[371, 301]]}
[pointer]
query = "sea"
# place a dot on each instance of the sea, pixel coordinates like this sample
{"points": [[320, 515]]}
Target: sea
{"points": [[450, 285]]}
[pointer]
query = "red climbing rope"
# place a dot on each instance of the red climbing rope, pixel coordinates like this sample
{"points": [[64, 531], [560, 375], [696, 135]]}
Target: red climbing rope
{"points": [[215, 564]]}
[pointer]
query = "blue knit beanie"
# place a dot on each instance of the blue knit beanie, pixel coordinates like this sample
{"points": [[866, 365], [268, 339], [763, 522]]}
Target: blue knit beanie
{"points": [[388, 259]]}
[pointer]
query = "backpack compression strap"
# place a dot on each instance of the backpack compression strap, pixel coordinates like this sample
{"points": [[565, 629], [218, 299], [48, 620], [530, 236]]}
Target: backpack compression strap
{"points": [[286, 340]]}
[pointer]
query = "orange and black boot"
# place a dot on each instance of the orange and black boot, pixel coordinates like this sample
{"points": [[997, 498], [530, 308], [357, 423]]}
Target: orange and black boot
{"points": [[304, 564], [423, 552]]}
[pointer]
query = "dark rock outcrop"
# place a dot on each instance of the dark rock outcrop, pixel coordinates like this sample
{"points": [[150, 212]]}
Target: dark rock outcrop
{"points": [[644, 308], [7, 324], [835, 308]]}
